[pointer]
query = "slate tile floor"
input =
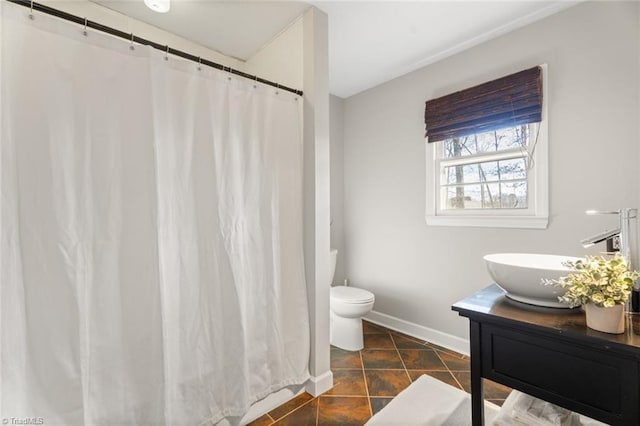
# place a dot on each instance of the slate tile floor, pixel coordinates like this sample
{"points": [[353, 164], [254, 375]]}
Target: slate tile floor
{"points": [[365, 381]]}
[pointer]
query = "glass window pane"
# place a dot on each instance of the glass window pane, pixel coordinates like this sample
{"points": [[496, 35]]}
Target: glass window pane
{"points": [[467, 173], [515, 168], [463, 197], [486, 142], [505, 195], [460, 147], [495, 141], [491, 196], [514, 195], [496, 184], [489, 171], [456, 198], [513, 137]]}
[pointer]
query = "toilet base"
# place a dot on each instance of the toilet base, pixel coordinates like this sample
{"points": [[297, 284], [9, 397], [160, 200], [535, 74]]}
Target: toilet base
{"points": [[346, 333]]}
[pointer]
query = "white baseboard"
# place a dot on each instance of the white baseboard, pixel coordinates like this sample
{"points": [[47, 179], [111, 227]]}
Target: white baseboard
{"points": [[319, 384], [445, 340]]}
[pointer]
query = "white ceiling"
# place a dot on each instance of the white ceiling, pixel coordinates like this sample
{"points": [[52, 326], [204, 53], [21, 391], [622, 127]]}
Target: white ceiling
{"points": [[236, 28], [373, 42], [370, 42]]}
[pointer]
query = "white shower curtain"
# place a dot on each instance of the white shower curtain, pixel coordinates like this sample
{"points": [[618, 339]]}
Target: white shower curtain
{"points": [[151, 233]]}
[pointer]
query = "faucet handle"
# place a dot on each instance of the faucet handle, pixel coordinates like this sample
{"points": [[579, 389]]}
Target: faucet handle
{"points": [[598, 212], [626, 213]]}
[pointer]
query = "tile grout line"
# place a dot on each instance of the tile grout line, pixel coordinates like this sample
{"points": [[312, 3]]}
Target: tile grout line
{"points": [[457, 381], [437, 352], [349, 396], [366, 384], [353, 369], [408, 337], [295, 409], [401, 360], [449, 370]]}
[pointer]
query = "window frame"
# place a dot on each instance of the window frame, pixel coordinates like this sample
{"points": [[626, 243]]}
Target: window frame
{"points": [[536, 216]]}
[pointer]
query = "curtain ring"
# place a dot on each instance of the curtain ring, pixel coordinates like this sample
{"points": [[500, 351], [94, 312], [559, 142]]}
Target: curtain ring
{"points": [[31, 11], [166, 53], [199, 63], [84, 30], [255, 79], [277, 88], [132, 47]]}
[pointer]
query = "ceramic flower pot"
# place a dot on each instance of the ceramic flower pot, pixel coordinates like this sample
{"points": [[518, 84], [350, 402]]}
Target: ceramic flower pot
{"points": [[608, 320]]}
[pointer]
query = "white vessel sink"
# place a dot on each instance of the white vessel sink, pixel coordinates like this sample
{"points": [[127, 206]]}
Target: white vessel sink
{"points": [[521, 275]]}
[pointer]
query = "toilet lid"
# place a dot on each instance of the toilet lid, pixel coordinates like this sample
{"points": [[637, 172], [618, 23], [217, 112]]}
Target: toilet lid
{"points": [[351, 294]]}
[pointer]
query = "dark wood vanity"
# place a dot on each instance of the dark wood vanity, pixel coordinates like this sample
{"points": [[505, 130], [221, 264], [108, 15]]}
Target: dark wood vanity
{"points": [[551, 354]]}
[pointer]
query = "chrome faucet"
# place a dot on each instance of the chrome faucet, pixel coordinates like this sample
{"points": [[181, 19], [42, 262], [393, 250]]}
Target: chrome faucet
{"points": [[623, 230], [625, 236], [598, 238]]}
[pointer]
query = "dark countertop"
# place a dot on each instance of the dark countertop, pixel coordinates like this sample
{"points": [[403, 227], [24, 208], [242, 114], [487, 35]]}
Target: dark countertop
{"points": [[492, 303]]}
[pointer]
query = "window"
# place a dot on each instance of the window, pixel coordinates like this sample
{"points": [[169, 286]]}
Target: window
{"points": [[486, 170], [497, 177]]}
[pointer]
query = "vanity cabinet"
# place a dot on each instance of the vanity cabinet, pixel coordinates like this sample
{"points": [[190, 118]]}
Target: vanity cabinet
{"points": [[551, 354]]}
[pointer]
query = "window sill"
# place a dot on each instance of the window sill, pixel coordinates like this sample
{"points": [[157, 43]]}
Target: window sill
{"points": [[522, 222]]}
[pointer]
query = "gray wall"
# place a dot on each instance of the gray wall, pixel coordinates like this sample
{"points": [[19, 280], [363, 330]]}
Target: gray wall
{"points": [[418, 271], [337, 183]]}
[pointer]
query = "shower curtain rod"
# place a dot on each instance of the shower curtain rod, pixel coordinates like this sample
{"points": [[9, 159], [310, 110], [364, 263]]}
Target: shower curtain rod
{"points": [[135, 39]]}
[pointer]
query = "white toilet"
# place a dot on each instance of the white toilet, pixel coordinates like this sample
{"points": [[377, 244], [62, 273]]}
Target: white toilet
{"points": [[348, 306]]}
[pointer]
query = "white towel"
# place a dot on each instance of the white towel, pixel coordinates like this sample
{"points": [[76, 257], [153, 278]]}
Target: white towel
{"points": [[430, 402], [535, 411], [520, 409]]}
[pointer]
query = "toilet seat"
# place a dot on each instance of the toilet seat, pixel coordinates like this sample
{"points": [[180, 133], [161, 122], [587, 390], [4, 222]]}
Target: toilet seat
{"points": [[351, 295]]}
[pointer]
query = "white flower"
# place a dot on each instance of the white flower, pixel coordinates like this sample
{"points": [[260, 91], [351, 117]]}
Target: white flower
{"points": [[604, 282]]}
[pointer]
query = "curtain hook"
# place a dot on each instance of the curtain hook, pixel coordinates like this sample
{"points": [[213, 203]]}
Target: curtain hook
{"points": [[166, 53], [132, 47], [255, 79], [31, 11], [84, 30], [199, 63], [229, 76], [277, 88]]}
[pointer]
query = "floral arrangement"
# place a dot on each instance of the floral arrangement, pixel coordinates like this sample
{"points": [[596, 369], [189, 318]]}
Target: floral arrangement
{"points": [[603, 282]]}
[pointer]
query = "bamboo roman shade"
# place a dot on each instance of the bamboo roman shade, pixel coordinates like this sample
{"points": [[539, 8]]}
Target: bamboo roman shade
{"points": [[506, 102]]}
